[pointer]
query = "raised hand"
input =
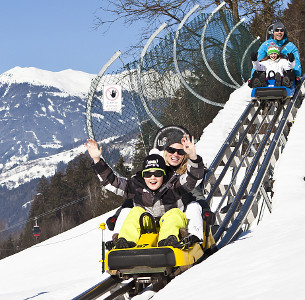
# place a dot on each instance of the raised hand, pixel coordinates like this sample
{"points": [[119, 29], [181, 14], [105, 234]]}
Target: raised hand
{"points": [[94, 150], [189, 146]]}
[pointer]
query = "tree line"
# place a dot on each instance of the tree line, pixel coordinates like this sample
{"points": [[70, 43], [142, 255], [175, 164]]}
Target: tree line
{"points": [[67, 199]]}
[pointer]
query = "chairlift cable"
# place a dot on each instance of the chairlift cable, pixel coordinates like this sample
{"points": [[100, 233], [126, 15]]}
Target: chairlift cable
{"points": [[44, 214]]}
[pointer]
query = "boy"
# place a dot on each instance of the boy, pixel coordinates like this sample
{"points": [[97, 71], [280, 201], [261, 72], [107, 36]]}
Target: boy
{"points": [[152, 192]]}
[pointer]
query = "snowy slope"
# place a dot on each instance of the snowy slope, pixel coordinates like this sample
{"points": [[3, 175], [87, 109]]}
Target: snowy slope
{"points": [[267, 263]]}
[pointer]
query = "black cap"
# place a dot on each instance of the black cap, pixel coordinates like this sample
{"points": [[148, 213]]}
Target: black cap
{"points": [[154, 162]]}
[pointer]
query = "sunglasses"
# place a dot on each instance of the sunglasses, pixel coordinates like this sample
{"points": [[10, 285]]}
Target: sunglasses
{"points": [[279, 30], [173, 150], [157, 173]]}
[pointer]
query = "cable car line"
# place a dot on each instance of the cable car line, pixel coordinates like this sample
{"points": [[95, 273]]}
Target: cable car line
{"points": [[44, 214]]}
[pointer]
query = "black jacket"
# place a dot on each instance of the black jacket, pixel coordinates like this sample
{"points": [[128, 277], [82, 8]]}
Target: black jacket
{"points": [[168, 196]]}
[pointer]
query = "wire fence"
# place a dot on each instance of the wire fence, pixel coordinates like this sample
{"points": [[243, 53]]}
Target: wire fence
{"points": [[179, 78]]}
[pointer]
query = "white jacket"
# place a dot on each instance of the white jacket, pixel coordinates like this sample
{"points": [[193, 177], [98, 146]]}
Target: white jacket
{"points": [[279, 65]]}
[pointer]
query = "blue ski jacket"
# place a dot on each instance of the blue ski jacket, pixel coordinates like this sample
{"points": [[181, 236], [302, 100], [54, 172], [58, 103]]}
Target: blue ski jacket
{"points": [[288, 48]]}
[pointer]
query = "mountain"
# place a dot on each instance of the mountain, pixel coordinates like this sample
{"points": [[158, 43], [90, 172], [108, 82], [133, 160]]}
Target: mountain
{"points": [[42, 126], [41, 114]]}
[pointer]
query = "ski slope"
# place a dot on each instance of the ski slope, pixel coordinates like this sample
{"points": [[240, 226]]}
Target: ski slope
{"points": [[266, 263]]}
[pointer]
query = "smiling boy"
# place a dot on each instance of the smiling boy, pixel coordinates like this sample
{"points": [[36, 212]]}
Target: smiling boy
{"points": [[152, 192]]}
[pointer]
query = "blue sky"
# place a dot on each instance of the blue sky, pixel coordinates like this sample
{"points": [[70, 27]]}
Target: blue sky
{"points": [[57, 35]]}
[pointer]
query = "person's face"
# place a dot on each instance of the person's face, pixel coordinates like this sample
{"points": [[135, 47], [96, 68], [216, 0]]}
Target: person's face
{"points": [[278, 34], [153, 182], [174, 159], [273, 56]]}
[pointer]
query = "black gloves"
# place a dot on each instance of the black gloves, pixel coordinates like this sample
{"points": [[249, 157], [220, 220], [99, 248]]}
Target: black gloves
{"points": [[254, 56], [111, 222], [290, 57], [209, 217]]}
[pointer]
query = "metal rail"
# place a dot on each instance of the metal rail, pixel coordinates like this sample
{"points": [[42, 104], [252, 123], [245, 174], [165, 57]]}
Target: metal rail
{"points": [[99, 289], [221, 153], [240, 176], [264, 167], [245, 182]]}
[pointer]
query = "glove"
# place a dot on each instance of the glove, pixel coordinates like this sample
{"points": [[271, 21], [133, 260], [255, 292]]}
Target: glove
{"points": [[111, 222], [254, 56], [290, 57], [193, 239], [209, 217]]}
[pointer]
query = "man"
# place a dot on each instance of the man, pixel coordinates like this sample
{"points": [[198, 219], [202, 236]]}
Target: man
{"points": [[280, 38]]}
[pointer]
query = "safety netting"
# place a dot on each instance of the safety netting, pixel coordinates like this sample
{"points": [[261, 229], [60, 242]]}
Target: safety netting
{"points": [[182, 77]]}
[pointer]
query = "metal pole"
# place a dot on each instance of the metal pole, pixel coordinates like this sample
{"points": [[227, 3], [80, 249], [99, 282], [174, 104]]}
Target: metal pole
{"points": [[139, 82], [102, 226], [243, 58], [224, 51], [92, 89]]}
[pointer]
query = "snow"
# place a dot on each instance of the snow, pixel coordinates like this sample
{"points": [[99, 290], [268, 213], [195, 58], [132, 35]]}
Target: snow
{"points": [[72, 82], [37, 168], [266, 263]]}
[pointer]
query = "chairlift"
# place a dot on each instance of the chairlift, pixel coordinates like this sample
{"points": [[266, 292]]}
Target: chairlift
{"points": [[36, 230]]}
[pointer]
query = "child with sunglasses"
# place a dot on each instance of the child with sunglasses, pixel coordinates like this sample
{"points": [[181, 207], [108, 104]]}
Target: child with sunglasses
{"points": [[195, 206], [151, 191], [280, 38]]}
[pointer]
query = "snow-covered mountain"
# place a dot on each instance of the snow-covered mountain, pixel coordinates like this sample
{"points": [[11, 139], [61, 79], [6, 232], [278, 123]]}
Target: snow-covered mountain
{"points": [[42, 121], [41, 114], [43, 124]]}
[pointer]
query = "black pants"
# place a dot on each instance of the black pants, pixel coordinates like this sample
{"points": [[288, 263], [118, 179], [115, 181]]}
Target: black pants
{"points": [[290, 74], [256, 74]]}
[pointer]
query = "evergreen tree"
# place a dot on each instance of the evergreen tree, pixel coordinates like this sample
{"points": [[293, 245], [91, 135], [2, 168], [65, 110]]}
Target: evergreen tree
{"points": [[121, 168], [294, 21], [139, 156], [64, 201]]}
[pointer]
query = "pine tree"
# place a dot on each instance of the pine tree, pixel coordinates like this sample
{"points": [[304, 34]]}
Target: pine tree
{"points": [[294, 21], [121, 168], [139, 156]]}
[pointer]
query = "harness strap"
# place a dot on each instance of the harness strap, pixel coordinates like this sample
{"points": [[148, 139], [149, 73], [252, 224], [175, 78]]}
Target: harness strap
{"points": [[282, 47], [167, 186]]}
